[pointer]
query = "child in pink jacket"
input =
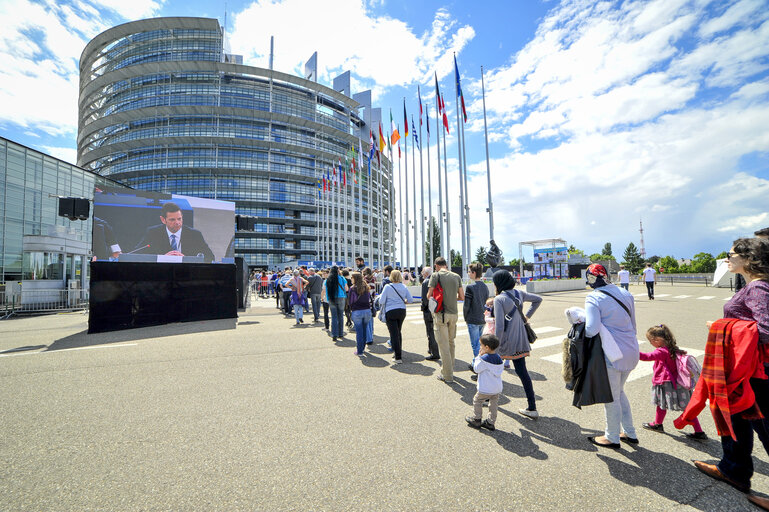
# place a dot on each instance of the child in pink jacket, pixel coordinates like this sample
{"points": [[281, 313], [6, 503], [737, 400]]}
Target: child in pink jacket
{"points": [[666, 393]]}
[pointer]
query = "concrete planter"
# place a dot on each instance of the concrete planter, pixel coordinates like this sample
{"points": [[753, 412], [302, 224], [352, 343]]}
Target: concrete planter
{"points": [[557, 285]]}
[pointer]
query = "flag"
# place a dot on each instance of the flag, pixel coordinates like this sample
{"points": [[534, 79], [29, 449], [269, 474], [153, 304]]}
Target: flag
{"points": [[441, 106], [459, 89], [378, 159], [399, 149], [360, 155], [414, 132], [445, 119], [419, 95], [324, 184], [405, 120], [394, 135], [427, 124], [342, 174], [318, 189], [381, 140], [371, 151]]}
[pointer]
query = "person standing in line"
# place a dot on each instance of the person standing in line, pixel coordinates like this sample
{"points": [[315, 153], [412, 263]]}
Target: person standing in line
{"points": [[297, 285], [336, 291], [445, 321], [286, 291], [348, 323], [511, 331], [359, 264], [472, 310], [432, 345], [624, 277], [360, 305], [649, 279], [324, 300], [488, 366], [368, 277], [614, 308], [393, 302], [749, 257], [314, 289]]}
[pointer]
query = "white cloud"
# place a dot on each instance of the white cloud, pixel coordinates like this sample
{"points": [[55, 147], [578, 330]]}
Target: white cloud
{"points": [[40, 46], [378, 49], [747, 223], [67, 154], [645, 110]]}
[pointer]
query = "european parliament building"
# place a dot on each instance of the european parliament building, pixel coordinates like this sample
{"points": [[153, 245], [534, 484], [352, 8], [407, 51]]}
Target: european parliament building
{"points": [[164, 107]]}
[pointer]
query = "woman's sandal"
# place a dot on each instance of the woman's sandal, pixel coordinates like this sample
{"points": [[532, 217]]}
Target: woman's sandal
{"points": [[603, 445]]}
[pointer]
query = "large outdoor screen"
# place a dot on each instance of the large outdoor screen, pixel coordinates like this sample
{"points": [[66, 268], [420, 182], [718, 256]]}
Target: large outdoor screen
{"points": [[138, 226]]}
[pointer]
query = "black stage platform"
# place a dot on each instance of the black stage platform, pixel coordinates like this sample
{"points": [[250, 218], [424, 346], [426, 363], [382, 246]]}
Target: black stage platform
{"points": [[128, 295]]}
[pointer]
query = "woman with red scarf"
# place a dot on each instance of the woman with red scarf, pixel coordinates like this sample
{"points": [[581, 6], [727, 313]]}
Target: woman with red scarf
{"points": [[733, 378]]}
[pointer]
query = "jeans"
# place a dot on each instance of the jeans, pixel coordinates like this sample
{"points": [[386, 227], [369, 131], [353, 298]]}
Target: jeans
{"points": [[298, 313], [337, 316], [370, 330], [624, 285], [523, 374], [618, 412], [362, 319], [287, 302], [306, 302], [650, 289], [395, 318], [737, 462], [432, 344], [315, 299], [475, 331], [325, 314]]}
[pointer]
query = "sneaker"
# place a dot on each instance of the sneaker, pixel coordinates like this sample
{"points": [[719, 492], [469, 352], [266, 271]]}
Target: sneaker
{"points": [[440, 378], [397, 361], [473, 422], [488, 425], [432, 358], [697, 435], [474, 377], [653, 426], [529, 414], [359, 354], [507, 365]]}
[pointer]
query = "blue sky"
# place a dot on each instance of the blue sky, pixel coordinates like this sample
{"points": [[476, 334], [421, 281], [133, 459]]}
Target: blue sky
{"points": [[600, 113]]}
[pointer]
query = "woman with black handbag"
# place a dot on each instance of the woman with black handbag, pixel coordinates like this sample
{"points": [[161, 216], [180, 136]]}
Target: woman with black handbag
{"points": [[514, 336]]}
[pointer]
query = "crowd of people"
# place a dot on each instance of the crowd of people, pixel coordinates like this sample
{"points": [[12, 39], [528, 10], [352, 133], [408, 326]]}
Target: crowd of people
{"points": [[733, 376]]}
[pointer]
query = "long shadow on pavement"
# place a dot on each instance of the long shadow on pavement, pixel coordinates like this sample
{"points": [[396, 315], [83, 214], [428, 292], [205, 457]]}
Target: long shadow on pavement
{"points": [[83, 339], [522, 446], [556, 431]]}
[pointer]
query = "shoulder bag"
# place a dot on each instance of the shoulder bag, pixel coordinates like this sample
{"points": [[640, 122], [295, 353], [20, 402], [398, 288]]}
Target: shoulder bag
{"points": [[530, 334]]}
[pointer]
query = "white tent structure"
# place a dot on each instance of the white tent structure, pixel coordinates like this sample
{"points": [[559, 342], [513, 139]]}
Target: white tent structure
{"points": [[722, 278]]}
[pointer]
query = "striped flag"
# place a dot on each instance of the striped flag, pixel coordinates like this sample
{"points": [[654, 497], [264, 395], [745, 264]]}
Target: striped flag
{"points": [[414, 132], [381, 140], [419, 95], [459, 89], [405, 120], [394, 135], [445, 118]]}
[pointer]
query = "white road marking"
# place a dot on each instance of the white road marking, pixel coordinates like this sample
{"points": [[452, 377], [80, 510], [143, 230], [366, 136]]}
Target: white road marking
{"points": [[682, 296], [548, 342], [13, 354], [706, 297], [545, 329]]}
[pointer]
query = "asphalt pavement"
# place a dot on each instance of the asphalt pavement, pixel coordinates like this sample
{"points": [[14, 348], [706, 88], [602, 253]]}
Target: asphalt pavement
{"points": [[257, 414]]}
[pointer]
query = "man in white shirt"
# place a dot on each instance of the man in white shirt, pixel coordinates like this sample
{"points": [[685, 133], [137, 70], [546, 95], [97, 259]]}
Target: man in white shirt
{"points": [[650, 278], [624, 277]]}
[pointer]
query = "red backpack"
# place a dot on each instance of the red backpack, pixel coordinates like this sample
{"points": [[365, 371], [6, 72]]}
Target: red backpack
{"points": [[437, 297]]}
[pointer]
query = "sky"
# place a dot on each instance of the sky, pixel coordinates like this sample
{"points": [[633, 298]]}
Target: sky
{"points": [[600, 114]]}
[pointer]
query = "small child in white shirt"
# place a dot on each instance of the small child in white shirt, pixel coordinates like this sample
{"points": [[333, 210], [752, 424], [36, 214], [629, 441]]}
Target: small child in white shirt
{"points": [[488, 366]]}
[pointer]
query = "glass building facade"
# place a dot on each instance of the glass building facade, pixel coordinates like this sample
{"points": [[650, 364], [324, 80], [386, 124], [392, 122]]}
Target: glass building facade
{"points": [[162, 107], [30, 182]]}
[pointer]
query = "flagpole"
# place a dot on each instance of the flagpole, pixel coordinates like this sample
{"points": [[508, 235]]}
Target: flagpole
{"points": [[406, 199], [467, 197], [400, 208], [431, 256], [414, 196], [421, 190], [461, 192], [446, 180], [438, 129]]}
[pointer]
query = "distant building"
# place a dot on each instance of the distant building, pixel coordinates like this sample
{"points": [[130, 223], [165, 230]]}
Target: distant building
{"points": [[162, 107]]}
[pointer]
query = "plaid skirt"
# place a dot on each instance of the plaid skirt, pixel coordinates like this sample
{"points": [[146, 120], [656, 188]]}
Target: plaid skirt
{"points": [[665, 397]]}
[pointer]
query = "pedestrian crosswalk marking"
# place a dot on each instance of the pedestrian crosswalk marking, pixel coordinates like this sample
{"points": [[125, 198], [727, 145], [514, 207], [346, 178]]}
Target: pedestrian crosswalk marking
{"points": [[549, 342], [545, 329], [706, 297], [682, 296]]}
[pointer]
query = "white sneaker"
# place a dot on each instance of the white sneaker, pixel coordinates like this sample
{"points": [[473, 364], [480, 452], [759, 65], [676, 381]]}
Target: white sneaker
{"points": [[530, 414], [397, 361]]}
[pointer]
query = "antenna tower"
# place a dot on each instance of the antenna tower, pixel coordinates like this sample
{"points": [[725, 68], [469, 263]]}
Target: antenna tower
{"points": [[643, 249]]}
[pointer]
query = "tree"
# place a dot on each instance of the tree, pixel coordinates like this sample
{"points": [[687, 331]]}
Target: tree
{"points": [[515, 263], [669, 263], [652, 259], [703, 263], [436, 243], [574, 250], [601, 257], [721, 255], [480, 255], [606, 249], [632, 258], [456, 259]]}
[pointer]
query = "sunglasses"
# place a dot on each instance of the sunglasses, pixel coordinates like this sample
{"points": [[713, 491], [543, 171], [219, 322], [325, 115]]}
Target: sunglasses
{"points": [[730, 254]]}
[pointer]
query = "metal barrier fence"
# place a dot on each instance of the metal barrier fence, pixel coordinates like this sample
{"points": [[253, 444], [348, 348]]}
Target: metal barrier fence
{"points": [[42, 301]]}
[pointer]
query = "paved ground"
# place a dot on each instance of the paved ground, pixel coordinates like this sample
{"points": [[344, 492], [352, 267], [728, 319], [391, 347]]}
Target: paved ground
{"points": [[257, 415]]}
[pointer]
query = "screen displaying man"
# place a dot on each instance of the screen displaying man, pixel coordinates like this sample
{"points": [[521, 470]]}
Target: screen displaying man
{"points": [[172, 238]]}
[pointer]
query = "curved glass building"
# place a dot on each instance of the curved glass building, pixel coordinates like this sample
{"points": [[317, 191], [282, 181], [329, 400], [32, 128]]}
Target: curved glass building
{"points": [[162, 107]]}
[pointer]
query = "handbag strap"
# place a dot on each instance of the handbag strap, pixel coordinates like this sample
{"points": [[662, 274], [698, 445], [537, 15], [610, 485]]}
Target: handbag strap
{"points": [[616, 299], [399, 295], [517, 304]]}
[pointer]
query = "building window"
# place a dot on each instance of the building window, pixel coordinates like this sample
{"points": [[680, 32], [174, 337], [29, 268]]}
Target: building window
{"points": [[43, 265]]}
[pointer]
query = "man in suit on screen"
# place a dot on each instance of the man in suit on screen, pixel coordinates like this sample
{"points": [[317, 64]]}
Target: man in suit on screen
{"points": [[172, 238]]}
